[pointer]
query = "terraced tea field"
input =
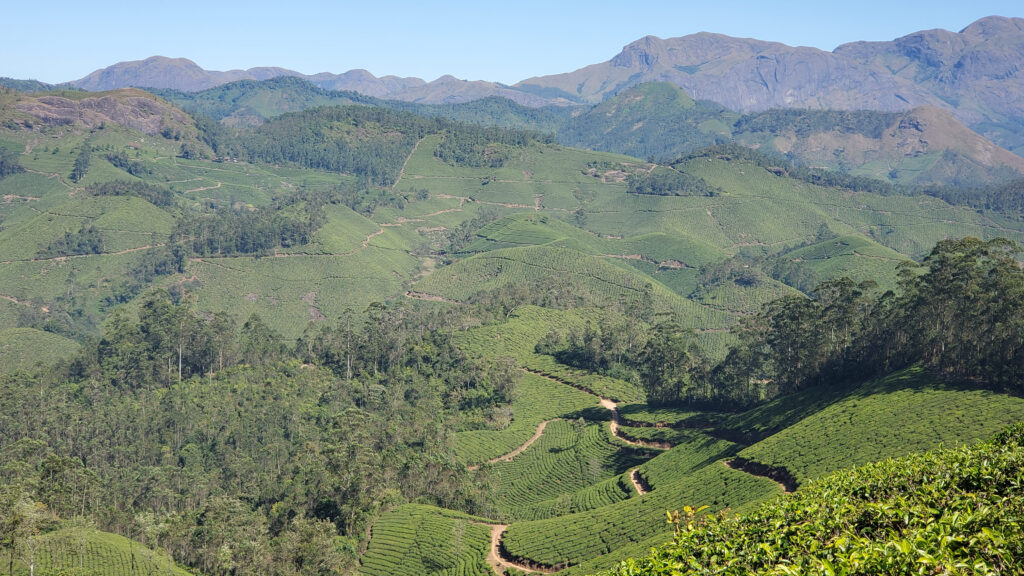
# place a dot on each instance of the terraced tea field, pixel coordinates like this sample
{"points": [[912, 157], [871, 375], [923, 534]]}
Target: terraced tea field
{"points": [[90, 552], [569, 457], [572, 539], [537, 400], [906, 412], [413, 539]]}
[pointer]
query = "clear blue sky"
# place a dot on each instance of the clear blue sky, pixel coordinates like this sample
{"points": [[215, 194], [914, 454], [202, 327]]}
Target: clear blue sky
{"points": [[62, 40]]}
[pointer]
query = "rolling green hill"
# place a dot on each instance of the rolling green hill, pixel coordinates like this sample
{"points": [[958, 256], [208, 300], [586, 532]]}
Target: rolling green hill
{"points": [[334, 318], [87, 551], [561, 213]]}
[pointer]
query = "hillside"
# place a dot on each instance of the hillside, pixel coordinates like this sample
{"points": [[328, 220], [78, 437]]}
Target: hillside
{"points": [[951, 510], [81, 549], [357, 339], [372, 245], [957, 72], [922, 146], [251, 102], [658, 120]]}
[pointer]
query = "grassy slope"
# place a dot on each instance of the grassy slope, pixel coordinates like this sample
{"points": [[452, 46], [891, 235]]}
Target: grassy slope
{"points": [[569, 217], [24, 348], [537, 399]]}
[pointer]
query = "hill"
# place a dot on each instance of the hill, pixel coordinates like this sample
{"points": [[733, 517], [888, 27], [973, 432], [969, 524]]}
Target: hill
{"points": [[394, 200], [922, 146], [948, 509], [957, 72], [252, 102], [81, 549], [651, 120]]}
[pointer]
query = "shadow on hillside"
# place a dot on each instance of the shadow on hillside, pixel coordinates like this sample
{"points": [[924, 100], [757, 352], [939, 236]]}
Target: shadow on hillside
{"points": [[763, 421]]}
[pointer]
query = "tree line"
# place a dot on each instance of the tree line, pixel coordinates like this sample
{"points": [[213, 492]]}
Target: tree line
{"points": [[960, 313], [664, 181], [369, 142]]}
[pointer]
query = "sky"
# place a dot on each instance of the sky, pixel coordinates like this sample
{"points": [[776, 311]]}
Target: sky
{"points": [[506, 42]]}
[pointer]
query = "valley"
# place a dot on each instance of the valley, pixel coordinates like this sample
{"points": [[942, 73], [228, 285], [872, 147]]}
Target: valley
{"points": [[269, 327]]}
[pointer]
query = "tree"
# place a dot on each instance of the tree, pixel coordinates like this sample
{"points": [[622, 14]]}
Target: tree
{"points": [[21, 518], [259, 343], [81, 166], [668, 361]]}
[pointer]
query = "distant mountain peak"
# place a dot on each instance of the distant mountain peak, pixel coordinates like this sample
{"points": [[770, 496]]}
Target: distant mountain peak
{"points": [[643, 53], [993, 26]]}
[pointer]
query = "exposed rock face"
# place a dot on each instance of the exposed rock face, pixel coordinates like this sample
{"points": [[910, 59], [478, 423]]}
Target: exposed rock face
{"points": [[742, 74], [127, 108], [976, 74]]}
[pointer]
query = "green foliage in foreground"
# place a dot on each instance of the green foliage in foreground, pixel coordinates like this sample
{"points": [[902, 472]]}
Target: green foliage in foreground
{"points": [[945, 512]]}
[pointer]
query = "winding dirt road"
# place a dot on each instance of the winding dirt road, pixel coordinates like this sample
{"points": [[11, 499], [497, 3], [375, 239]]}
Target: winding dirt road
{"points": [[508, 457], [500, 563]]}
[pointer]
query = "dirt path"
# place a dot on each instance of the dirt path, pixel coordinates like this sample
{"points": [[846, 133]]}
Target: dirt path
{"points": [[75, 256], [429, 297], [499, 563], [639, 257], [855, 253], [611, 406], [8, 198], [218, 185], [767, 472], [462, 199], [59, 178], [371, 237], [508, 457], [24, 303], [616, 422], [401, 173], [635, 477]]}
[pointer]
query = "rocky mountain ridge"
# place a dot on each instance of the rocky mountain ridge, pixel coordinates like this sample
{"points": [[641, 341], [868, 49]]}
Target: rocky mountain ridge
{"points": [[975, 74]]}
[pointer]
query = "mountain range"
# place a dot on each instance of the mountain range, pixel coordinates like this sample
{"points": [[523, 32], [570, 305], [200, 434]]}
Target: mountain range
{"points": [[975, 74], [273, 328]]}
